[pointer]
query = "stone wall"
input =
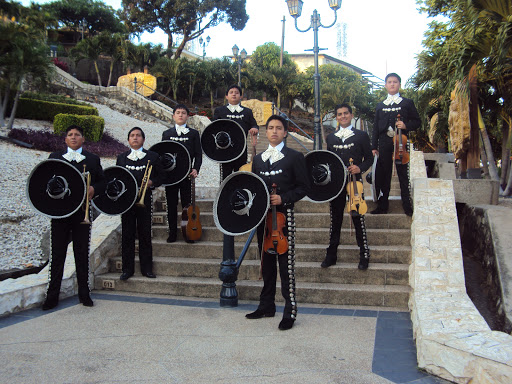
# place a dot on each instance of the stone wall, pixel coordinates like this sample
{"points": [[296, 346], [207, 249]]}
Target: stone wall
{"points": [[453, 341]]}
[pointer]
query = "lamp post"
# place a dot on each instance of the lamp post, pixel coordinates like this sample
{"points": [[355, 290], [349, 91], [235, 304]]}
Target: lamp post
{"points": [[203, 44], [295, 9], [242, 57]]}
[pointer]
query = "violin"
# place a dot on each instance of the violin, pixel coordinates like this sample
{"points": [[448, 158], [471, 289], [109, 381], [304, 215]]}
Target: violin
{"points": [[190, 224], [275, 242], [400, 155], [355, 193]]}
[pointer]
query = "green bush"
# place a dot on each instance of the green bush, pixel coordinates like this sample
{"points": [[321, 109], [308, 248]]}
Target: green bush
{"points": [[52, 97], [46, 110], [92, 125]]}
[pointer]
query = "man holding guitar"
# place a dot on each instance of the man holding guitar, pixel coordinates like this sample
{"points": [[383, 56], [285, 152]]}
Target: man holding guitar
{"points": [[190, 138], [284, 172], [353, 147]]}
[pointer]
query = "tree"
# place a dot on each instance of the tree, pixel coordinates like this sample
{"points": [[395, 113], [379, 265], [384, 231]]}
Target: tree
{"points": [[214, 72], [114, 46], [89, 48], [187, 18], [141, 55], [23, 54], [172, 70], [94, 15]]}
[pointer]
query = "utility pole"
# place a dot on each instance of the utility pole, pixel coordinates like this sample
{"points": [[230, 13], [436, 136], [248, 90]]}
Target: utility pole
{"points": [[282, 44]]}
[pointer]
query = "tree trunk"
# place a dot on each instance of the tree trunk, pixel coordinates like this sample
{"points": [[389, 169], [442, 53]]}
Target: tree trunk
{"points": [[505, 153], [169, 44], [493, 171], [508, 190], [3, 105], [14, 106], [211, 101], [110, 73], [473, 153], [97, 72]]}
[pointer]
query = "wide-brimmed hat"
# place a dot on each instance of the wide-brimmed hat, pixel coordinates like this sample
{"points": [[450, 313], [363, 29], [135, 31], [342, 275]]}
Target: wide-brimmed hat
{"points": [[327, 174], [120, 192], [241, 203], [55, 189], [223, 141], [175, 160]]}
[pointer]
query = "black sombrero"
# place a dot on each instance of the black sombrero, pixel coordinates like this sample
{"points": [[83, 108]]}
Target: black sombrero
{"points": [[327, 175], [223, 141], [175, 160], [56, 189], [120, 192], [241, 204], [370, 178]]}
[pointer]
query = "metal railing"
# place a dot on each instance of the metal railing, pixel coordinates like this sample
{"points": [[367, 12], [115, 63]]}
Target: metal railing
{"points": [[276, 110], [151, 89]]}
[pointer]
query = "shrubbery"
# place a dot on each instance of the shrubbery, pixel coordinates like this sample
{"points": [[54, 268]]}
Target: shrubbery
{"points": [[47, 110], [52, 97], [92, 125], [49, 142]]}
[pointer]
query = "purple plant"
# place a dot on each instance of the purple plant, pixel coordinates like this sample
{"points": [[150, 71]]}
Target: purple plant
{"points": [[49, 142]]}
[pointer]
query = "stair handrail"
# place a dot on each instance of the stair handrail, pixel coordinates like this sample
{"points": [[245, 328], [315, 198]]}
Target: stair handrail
{"points": [[285, 116], [151, 89]]}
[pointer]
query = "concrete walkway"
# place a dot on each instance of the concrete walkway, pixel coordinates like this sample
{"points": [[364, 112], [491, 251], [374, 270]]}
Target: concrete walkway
{"points": [[161, 339]]}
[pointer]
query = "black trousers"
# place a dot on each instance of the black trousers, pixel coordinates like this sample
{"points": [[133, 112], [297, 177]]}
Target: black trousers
{"points": [[138, 219], [286, 263], [383, 178], [337, 207], [61, 231], [171, 195]]}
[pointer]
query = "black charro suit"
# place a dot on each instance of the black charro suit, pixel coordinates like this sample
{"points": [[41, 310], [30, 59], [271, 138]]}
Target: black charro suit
{"points": [[62, 229], [385, 116], [357, 148], [247, 121], [290, 176], [139, 218], [192, 141]]}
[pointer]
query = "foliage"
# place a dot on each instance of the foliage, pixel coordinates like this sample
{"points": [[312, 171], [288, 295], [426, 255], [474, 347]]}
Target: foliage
{"points": [[187, 18], [89, 48], [54, 98], [61, 64], [93, 126], [50, 142], [215, 75], [172, 70], [46, 110]]}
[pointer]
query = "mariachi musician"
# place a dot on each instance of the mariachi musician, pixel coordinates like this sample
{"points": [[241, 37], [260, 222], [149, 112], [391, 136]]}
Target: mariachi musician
{"points": [[382, 143], [285, 168], [348, 143], [145, 167], [61, 229], [244, 117], [190, 138]]}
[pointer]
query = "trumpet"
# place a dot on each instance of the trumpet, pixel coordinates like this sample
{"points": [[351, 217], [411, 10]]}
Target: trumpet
{"points": [[87, 176], [144, 185]]}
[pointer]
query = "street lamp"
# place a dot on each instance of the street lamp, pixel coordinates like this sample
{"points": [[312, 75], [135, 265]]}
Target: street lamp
{"points": [[295, 9], [203, 44], [242, 57]]}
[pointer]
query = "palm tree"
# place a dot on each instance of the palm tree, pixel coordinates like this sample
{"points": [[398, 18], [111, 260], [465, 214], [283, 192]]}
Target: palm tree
{"points": [[172, 70], [112, 45], [89, 48], [214, 72]]}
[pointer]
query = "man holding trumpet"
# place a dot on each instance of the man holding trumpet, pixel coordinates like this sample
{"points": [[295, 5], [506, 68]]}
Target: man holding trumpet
{"points": [[77, 226], [145, 167]]}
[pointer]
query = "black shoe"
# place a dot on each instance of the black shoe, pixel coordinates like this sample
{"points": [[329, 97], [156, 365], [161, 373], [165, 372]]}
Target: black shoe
{"points": [[49, 304], [171, 239], [286, 324], [363, 263], [86, 301], [328, 262], [259, 313], [151, 275], [379, 211], [125, 276]]}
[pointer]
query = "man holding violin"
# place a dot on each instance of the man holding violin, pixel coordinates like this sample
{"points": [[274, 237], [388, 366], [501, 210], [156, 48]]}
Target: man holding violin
{"points": [[384, 146], [284, 170], [348, 143]]}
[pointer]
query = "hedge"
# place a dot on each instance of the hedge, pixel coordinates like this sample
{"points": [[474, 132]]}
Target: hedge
{"points": [[47, 110], [53, 98], [92, 125]]}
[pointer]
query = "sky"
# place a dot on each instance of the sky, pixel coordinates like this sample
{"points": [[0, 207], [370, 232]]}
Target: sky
{"points": [[382, 36]]}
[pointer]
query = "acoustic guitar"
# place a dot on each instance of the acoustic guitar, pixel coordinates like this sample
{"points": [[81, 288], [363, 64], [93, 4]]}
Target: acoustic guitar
{"points": [[190, 223]]}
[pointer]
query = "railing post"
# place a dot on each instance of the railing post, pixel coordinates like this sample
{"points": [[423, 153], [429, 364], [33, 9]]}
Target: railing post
{"points": [[135, 84]]}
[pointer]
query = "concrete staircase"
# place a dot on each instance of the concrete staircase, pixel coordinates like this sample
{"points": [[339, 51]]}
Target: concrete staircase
{"points": [[192, 269]]}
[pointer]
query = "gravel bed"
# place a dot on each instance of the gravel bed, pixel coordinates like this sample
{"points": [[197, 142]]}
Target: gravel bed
{"points": [[21, 227]]}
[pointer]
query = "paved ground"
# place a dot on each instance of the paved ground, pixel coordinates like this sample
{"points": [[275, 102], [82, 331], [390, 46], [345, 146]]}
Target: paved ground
{"points": [[161, 339]]}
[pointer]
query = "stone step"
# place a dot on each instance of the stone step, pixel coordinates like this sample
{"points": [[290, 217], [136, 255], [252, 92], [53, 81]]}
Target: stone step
{"points": [[341, 273], [319, 236], [304, 252], [314, 293], [303, 206], [311, 220]]}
